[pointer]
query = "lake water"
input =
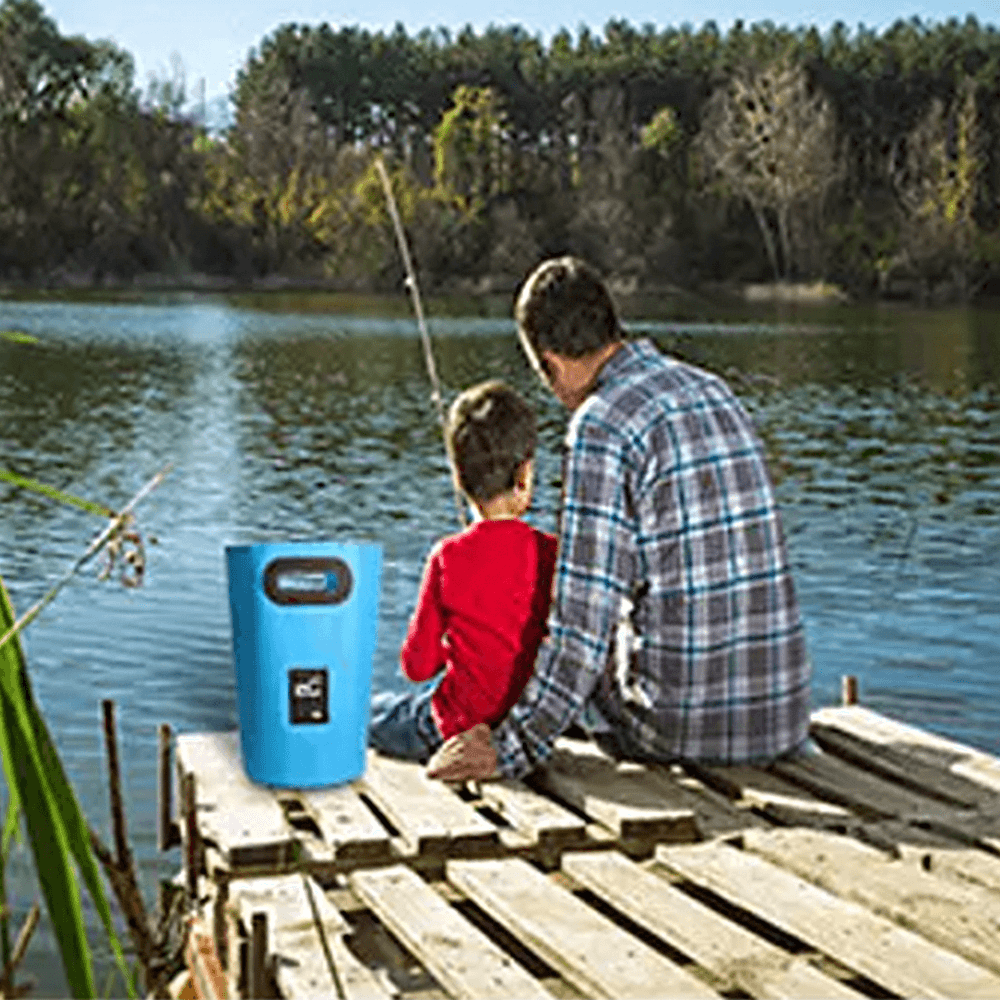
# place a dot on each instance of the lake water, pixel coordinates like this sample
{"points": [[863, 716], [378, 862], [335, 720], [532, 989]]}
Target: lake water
{"points": [[882, 426]]}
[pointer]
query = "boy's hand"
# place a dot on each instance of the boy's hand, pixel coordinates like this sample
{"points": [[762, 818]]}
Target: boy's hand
{"points": [[468, 755]]}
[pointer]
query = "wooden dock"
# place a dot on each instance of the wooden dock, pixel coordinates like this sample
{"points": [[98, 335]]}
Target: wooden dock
{"points": [[871, 868]]}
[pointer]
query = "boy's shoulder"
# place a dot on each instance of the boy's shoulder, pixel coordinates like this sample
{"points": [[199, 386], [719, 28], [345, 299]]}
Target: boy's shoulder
{"points": [[489, 534]]}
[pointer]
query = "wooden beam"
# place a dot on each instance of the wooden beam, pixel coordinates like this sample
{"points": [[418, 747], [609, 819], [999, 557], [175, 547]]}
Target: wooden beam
{"points": [[737, 957], [587, 949], [457, 954], [304, 944], [897, 959], [774, 797], [946, 770], [625, 797], [957, 758], [430, 817], [868, 794], [543, 821], [243, 818], [963, 865], [350, 829], [962, 918]]}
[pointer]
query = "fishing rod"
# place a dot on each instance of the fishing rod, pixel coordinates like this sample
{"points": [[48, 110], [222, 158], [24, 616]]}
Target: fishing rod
{"points": [[411, 282]]}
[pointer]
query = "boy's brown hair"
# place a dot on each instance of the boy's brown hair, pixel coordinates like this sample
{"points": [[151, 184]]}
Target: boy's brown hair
{"points": [[489, 434]]}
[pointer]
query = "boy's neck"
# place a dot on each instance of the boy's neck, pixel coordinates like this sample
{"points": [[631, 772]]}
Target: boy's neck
{"points": [[505, 507]]}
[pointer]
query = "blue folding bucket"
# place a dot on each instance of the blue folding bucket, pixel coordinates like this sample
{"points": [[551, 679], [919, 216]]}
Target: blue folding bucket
{"points": [[304, 618]]}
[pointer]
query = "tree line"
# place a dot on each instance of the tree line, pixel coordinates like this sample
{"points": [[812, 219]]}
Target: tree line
{"points": [[668, 157]]}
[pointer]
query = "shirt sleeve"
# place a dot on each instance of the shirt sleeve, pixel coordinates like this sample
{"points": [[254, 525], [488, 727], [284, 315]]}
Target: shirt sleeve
{"points": [[594, 570], [422, 655]]}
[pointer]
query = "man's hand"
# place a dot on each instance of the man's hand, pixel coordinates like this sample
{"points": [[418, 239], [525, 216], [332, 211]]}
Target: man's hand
{"points": [[468, 755]]}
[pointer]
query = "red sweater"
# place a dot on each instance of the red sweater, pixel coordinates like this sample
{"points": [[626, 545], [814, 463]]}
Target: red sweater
{"points": [[480, 615]]}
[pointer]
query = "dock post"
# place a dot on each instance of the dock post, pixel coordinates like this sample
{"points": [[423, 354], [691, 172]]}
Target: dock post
{"points": [[167, 834], [123, 856], [220, 928], [849, 689], [191, 860], [258, 956]]}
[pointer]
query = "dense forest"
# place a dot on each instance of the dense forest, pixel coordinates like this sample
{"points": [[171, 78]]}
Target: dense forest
{"points": [[674, 157]]}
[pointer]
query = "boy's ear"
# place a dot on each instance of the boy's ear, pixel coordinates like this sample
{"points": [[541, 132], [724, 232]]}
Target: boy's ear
{"points": [[525, 475]]}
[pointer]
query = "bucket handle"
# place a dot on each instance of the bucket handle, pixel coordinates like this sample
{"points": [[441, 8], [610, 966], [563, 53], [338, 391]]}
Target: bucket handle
{"points": [[307, 580]]}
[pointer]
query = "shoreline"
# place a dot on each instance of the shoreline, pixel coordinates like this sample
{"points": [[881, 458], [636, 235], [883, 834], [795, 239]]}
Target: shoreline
{"points": [[491, 296]]}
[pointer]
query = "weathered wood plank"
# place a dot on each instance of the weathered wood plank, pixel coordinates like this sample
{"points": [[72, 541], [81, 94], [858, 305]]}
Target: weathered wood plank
{"points": [[586, 948], [903, 766], [776, 798], [963, 919], [429, 816], [458, 955], [834, 779], [733, 954], [543, 821], [301, 968], [871, 795], [914, 744], [284, 899], [302, 971], [347, 825], [625, 797], [242, 818], [897, 959], [714, 813], [964, 865]]}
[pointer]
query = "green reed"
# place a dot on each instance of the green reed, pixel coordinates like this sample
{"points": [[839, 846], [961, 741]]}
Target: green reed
{"points": [[38, 789]]}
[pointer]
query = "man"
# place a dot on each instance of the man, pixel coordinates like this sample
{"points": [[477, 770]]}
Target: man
{"points": [[674, 631]]}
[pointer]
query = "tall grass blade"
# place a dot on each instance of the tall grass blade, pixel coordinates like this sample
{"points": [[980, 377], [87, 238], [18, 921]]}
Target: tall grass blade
{"points": [[53, 494], [57, 830], [77, 830], [47, 836], [4, 917], [10, 829], [10, 826]]}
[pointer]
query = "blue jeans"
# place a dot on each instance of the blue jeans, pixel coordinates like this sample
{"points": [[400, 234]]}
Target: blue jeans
{"points": [[402, 725]]}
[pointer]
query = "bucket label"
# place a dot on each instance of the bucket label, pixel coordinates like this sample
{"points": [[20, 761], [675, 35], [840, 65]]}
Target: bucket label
{"points": [[308, 695], [312, 580]]}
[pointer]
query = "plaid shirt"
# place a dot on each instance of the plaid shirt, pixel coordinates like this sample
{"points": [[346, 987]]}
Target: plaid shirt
{"points": [[673, 606]]}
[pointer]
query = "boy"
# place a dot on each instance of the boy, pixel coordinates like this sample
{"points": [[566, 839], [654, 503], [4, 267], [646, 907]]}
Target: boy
{"points": [[485, 592]]}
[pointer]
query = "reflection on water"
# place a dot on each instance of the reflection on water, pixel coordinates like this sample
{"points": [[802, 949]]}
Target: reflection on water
{"points": [[882, 429]]}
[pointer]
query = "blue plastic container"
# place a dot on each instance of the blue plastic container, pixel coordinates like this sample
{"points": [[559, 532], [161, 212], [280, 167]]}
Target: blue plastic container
{"points": [[304, 618]]}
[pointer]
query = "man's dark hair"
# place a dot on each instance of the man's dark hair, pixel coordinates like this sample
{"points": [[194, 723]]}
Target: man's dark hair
{"points": [[490, 433], [565, 307]]}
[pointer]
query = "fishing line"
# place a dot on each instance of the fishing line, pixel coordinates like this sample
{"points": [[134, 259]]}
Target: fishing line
{"points": [[411, 281]]}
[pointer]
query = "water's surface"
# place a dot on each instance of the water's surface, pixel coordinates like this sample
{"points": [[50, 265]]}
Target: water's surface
{"points": [[883, 430]]}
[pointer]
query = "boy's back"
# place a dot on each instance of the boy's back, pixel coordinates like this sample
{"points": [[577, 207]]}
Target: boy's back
{"points": [[481, 615], [485, 593]]}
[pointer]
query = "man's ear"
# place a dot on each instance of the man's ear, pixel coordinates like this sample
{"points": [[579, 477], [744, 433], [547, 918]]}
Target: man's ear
{"points": [[552, 364]]}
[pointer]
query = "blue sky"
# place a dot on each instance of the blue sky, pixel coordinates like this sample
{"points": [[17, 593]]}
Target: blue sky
{"points": [[213, 37]]}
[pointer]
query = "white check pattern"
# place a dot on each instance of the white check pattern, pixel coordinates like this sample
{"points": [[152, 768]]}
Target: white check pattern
{"points": [[667, 501]]}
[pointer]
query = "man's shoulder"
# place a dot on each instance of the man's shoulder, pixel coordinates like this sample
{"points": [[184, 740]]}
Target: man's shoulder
{"points": [[647, 378]]}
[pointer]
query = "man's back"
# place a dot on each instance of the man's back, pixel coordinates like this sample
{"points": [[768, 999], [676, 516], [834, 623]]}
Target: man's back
{"points": [[718, 668]]}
